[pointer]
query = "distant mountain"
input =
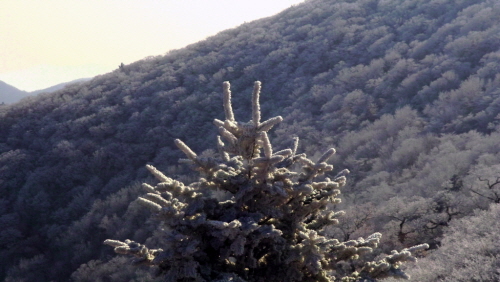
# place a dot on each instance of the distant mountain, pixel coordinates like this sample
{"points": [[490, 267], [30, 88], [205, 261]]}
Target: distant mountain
{"points": [[58, 86], [407, 91], [10, 94]]}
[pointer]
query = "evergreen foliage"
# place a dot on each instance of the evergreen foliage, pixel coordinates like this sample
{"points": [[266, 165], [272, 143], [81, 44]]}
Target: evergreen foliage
{"points": [[272, 224]]}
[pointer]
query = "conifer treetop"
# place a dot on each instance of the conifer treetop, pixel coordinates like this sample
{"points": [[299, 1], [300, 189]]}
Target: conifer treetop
{"points": [[271, 224]]}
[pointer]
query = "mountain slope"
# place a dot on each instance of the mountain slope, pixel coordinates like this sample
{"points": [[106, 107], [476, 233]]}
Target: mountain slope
{"points": [[407, 91]]}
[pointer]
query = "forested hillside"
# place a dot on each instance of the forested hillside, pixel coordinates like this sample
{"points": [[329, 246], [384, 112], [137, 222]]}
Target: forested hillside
{"points": [[408, 92]]}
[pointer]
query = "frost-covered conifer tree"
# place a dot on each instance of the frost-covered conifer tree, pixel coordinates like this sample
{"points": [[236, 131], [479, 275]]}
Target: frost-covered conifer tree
{"points": [[270, 227]]}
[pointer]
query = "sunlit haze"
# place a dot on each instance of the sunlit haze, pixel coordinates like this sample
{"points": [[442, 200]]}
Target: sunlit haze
{"points": [[43, 43]]}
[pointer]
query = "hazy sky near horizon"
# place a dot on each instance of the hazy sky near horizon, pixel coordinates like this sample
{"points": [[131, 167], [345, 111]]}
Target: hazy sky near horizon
{"points": [[43, 43]]}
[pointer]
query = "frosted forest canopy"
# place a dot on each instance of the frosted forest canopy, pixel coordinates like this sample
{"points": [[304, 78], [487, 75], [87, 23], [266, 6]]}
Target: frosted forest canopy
{"points": [[407, 91]]}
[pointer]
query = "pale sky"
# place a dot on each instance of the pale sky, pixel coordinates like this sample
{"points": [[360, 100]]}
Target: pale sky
{"points": [[46, 42]]}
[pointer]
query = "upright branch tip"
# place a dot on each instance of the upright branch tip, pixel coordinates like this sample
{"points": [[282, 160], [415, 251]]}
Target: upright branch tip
{"points": [[185, 149], [228, 110], [268, 124], [268, 149], [295, 145], [158, 174], [228, 136], [328, 154], [255, 103], [220, 146]]}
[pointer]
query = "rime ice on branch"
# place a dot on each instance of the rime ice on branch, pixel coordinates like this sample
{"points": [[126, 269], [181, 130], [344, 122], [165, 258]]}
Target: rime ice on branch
{"points": [[272, 228]]}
